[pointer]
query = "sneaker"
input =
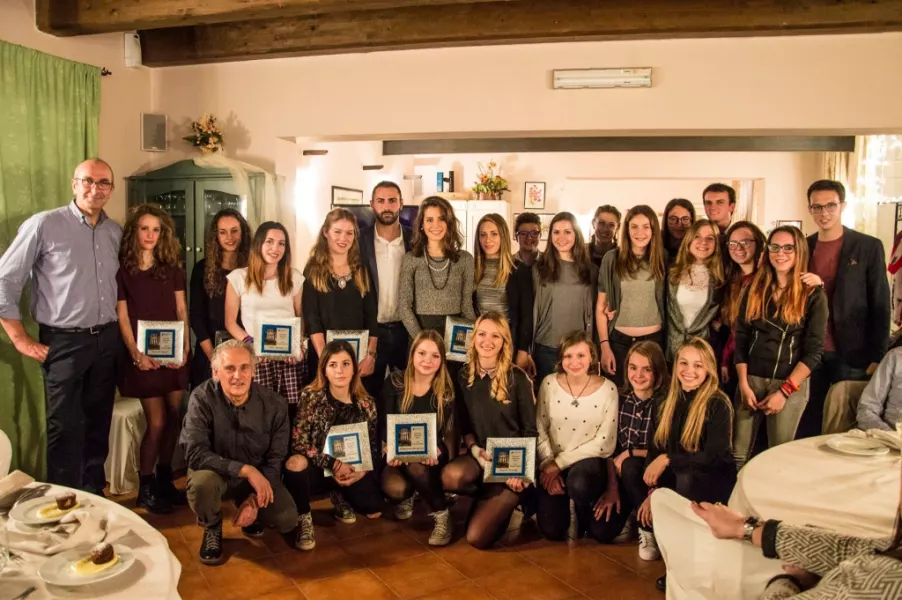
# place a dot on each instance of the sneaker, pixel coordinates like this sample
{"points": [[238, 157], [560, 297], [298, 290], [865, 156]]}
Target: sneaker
{"points": [[626, 534], [441, 533], [305, 540], [343, 511], [404, 510], [211, 546], [254, 530], [648, 546]]}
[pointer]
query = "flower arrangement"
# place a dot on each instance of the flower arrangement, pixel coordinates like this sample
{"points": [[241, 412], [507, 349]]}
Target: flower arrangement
{"points": [[207, 135], [489, 184]]}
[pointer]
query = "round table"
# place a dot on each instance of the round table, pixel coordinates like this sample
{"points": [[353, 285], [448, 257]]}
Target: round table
{"points": [[806, 482], [155, 573]]}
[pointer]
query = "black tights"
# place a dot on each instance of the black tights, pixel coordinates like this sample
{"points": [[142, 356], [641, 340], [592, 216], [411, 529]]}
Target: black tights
{"points": [[364, 495], [399, 483], [493, 503]]}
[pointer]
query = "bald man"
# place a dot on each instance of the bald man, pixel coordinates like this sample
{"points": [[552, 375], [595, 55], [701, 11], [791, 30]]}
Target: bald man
{"points": [[71, 255]]}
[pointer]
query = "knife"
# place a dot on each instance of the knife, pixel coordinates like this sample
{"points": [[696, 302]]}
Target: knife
{"points": [[26, 593]]}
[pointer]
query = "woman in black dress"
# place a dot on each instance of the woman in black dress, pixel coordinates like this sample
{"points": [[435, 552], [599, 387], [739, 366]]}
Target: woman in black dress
{"points": [[226, 248], [151, 285]]}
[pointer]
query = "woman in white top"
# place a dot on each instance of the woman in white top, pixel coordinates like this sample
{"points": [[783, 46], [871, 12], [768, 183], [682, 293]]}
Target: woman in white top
{"points": [[576, 418], [267, 289], [695, 287]]}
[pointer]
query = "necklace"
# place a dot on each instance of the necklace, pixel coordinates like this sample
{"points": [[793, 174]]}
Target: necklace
{"points": [[576, 396], [483, 372], [447, 263], [342, 280]]}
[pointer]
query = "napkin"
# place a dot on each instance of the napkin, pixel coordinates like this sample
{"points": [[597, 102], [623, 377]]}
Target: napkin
{"points": [[79, 527], [12, 486], [890, 439]]}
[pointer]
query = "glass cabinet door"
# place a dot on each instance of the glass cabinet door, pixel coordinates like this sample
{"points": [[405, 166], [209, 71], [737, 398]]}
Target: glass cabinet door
{"points": [[175, 197]]}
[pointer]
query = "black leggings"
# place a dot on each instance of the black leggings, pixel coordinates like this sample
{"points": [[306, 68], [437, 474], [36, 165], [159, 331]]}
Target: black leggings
{"points": [[633, 490], [620, 346], [585, 482], [364, 495], [493, 503], [399, 483]]}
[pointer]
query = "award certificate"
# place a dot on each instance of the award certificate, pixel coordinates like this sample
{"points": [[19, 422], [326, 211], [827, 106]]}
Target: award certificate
{"points": [[457, 338], [411, 437], [163, 341], [510, 457], [278, 339], [351, 445], [359, 340]]}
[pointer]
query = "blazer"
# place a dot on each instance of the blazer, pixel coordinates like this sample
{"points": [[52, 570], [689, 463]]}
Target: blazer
{"points": [[368, 250], [861, 299]]}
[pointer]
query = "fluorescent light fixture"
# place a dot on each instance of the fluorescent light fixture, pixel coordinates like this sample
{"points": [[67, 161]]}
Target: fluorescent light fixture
{"points": [[575, 79], [315, 152]]}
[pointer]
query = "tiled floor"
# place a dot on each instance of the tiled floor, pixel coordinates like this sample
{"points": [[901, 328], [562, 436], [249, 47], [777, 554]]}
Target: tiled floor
{"points": [[390, 559]]}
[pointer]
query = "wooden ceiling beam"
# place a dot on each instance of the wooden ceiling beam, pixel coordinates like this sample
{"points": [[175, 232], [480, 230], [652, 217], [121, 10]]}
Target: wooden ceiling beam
{"points": [[524, 21], [78, 17]]}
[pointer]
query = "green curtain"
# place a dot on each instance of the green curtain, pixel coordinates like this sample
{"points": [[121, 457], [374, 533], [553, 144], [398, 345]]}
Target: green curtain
{"points": [[49, 119]]}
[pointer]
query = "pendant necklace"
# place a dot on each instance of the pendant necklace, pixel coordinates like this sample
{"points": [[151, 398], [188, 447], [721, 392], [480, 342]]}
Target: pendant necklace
{"points": [[341, 280], [577, 396]]}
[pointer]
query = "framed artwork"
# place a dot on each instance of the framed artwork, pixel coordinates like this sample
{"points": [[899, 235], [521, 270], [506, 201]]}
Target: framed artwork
{"points": [[351, 445], [534, 195], [343, 195], [411, 437], [546, 225], [510, 457], [796, 224], [278, 339], [163, 341]]}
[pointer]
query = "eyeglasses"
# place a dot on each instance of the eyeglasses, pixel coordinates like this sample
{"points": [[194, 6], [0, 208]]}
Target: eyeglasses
{"points": [[743, 244], [529, 234], [786, 248], [679, 220], [104, 185], [830, 207]]}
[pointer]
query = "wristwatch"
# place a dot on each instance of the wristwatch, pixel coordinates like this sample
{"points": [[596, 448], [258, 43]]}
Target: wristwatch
{"points": [[748, 528]]}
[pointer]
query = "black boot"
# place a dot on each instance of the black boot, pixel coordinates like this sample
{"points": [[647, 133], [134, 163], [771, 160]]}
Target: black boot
{"points": [[661, 583], [150, 498], [167, 489], [211, 546]]}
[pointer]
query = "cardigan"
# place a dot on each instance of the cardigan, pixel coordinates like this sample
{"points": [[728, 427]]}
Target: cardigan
{"points": [[609, 284], [677, 332], [529, 308]]}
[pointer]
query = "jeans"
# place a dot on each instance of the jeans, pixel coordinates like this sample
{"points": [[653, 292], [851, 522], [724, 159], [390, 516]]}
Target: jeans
{"points": [[545, 358], [620, 346], [207, 489], [391, 353], [832, 370], [781, 427], [364, 496]]}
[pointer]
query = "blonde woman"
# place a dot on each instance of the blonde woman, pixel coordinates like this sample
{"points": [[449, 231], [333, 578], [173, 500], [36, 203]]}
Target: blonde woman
{"points": [[424, 387], [495, 274], [495, 400]]}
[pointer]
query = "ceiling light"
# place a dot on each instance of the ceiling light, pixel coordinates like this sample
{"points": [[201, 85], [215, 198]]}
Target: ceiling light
{"points": [[574, 79]]}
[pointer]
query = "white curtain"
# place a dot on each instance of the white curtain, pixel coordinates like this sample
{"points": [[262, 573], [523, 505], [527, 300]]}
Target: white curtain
{"points": [[864, 173]]}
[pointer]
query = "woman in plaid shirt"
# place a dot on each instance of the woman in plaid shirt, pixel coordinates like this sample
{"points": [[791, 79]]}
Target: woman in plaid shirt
{"points": [[646, 384]]}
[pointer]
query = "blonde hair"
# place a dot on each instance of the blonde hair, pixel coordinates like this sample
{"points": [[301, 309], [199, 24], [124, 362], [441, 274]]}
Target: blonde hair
{"points": [[501, 381], [441, 385], [685, 260], [318, 269], [708, 392], [505, 255]]}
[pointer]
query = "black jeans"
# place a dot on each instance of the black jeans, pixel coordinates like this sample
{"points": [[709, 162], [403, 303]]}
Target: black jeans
{"points": [[833, 369], [364, 496], [620, 346], [585, 482], [80, 386], [391, 353], [633, 490]]}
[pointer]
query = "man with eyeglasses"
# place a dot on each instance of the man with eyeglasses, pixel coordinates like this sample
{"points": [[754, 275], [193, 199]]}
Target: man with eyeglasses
{"points": [[720, 202], [527, 231], [852, 266], [71, 255]]}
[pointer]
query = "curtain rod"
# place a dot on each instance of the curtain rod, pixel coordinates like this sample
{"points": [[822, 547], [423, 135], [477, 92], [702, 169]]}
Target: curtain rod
{"points": [[104, 72]]}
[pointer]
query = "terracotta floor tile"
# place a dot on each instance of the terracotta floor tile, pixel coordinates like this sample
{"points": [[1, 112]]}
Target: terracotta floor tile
{"points": [[475, 563], [383, 549], [289, 594], [628, 555], [414, 577], [186, 556], [328, 560], [350, 586], [242, 580], [193, 586], [526, 583], [578, 566], [467, 590], [363, 527], [627, 587]]}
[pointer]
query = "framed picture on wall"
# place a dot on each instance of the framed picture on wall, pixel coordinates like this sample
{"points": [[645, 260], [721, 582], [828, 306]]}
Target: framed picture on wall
{"points": [[534, 195], [546, 225], [343, 195], [796, 224]]}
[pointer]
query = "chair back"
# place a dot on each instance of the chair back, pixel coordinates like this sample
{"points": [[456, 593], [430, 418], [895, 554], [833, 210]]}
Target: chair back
{"points": [[841, 406], [6, 454]]}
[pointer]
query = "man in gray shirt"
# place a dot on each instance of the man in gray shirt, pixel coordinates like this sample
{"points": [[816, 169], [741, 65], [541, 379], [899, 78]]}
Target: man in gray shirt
{"points": [[880, 406], [235, 437], [71, 255]]}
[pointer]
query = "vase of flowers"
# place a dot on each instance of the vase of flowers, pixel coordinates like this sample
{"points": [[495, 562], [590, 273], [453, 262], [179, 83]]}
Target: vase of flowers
{"points": [[207, 136], [489, 183]]}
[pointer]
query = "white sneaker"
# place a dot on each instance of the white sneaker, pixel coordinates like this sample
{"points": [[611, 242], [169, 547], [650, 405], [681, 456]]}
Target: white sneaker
{"points": [[404, 510], [305, 539], [648, 546], [441, 533]]}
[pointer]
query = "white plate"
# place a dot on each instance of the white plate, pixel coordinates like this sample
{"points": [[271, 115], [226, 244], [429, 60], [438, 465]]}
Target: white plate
{"points": [[58, 570], [27, 512], [858, 447]]}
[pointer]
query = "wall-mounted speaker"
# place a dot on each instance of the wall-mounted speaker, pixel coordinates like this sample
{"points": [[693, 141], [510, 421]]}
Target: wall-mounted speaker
{"points": [[132, 52], [153, 133]]}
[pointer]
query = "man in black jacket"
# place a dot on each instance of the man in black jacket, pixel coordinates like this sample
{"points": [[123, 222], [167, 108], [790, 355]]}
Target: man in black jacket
{"points": [[382, 248], [853, 268]]}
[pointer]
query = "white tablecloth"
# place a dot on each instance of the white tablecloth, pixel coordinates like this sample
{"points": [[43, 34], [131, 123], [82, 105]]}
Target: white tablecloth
{"points": [[155, 573], [802, 483]]}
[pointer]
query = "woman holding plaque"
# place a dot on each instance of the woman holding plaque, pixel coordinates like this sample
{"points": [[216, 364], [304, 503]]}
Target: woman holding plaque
{"points": [[424, 387], [336, 397], [630, 306], [576, 417], [268, 288], [559, 297], [151, 285], [226, 248], [337, 293], [495, 275], [495, 400]]}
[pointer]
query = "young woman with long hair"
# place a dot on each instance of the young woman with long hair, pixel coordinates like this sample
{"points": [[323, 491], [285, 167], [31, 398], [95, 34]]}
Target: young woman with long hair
{"points": [[576, 418], [226, 248], [337, 293], [679, 215], [437, 274], [496, 276], [647, 382], [690, 451], [336, 397], [631, 291], [779, 342], [558, 297], [695, 286], [424, 387], [151, 283], [494, 400], [605, 224], [267, 288]]}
